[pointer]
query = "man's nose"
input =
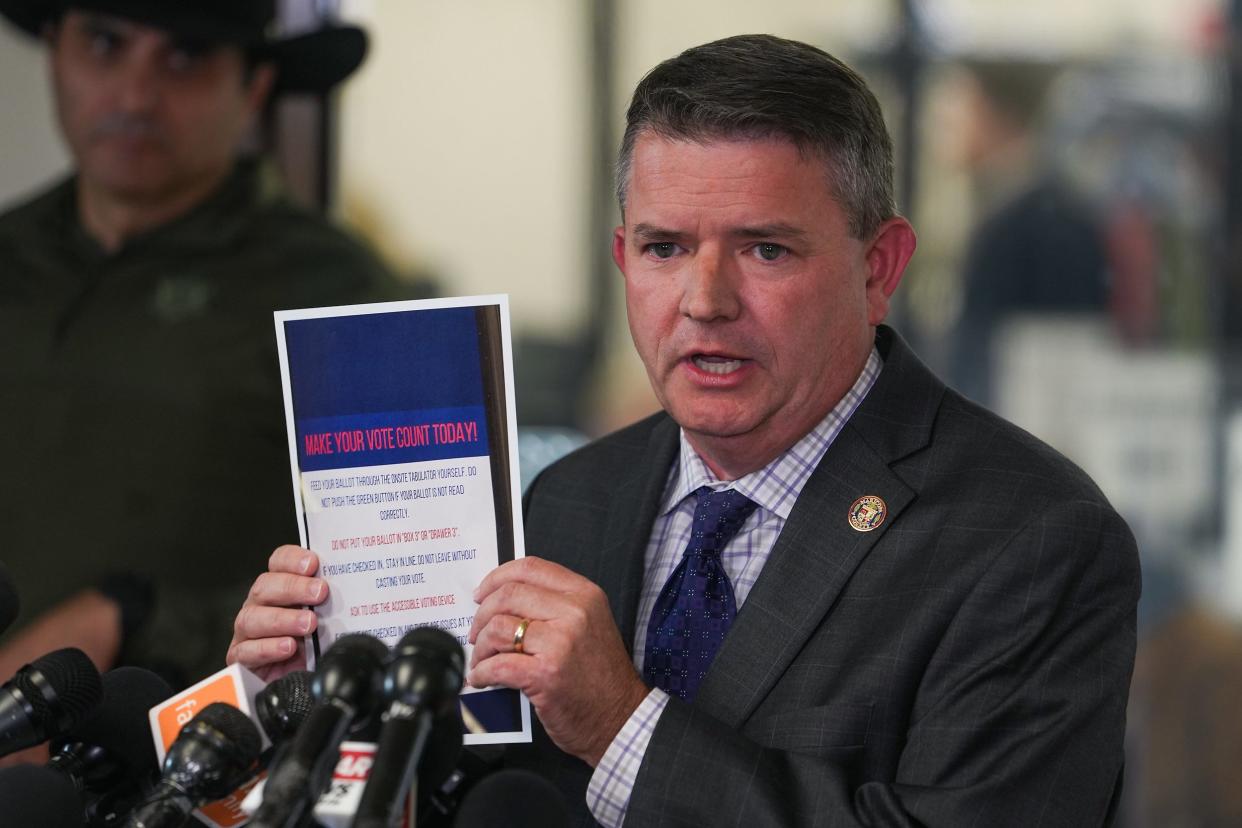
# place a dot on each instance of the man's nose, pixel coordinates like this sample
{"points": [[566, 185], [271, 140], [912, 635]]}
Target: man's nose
{"points": [[710, 287], [138, 85]]}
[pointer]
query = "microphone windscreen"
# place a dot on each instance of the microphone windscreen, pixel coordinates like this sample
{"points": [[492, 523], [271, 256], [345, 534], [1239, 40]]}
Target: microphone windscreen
{"points": [[39, 795], [512, 799], [236, 727], [215, 752], [10, 605], [426, 670], [431, 640], [353, 653], [350, 673], [71, 680], [119, 725], [284, 704]]}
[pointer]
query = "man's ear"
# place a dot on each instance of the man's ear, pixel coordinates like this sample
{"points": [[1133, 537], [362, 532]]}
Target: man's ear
{"points": [[259, 87], [618, 247], [887, 256]]}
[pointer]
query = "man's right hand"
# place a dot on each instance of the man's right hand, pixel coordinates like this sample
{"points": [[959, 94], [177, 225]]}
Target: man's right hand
{"points": [[270, 631]]}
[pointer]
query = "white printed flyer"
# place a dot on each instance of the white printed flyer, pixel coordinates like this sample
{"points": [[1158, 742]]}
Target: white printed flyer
{"points": [[403, 447]]}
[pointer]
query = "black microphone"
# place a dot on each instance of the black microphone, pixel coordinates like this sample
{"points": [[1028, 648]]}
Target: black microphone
{"points": [[513, 799], [213, 754], [283, 705], [46, 698], [346, 688], [280, 709], [109, 758], [38, 795], [9, 603], [421, 684]]}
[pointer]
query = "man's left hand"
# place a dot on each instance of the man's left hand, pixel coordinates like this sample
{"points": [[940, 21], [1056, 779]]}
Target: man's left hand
{"points": [[573, 667]]}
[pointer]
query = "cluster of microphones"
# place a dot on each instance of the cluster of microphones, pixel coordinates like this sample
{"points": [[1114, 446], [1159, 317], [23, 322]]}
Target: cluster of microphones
{"points": [[275, 760]]}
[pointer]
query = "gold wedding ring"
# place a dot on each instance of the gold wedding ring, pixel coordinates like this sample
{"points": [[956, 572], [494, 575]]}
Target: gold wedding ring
{"points": [[519, 635]]}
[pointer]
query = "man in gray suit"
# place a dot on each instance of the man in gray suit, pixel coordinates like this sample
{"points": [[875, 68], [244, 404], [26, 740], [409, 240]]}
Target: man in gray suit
{"points": [[820, 588]]}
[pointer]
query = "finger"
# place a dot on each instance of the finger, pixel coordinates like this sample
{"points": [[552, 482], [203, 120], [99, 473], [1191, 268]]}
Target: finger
{"points": [[500, 634], [261, 652], [255, 621], [293, 559], [505, 670], [279, 589], [524, 601], [529, 570]]}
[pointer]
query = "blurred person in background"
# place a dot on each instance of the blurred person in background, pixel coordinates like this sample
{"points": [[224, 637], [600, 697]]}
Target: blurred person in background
{"points": [[145, 457], [1185, 735], [1038, 249]]}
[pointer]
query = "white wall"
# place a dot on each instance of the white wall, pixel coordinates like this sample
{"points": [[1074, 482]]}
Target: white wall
{"points": [[463, 147], [31, 147]]}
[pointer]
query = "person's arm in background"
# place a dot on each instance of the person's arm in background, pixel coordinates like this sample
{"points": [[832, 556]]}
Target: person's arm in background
{"points": [[89, 620]]}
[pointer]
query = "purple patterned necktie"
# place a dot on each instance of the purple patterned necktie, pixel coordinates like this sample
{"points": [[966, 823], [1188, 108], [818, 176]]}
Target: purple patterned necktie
{"points": [[694, 610]]}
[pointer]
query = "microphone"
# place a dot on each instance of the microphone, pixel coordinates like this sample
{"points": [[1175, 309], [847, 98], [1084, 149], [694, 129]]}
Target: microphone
{"points": [[38, 795], [283, 705], [47, 697], [513, 799], [421, 685], [346, 688], [279, 708], [108, 759], [233, 685], [10, 606], [214, 753]]}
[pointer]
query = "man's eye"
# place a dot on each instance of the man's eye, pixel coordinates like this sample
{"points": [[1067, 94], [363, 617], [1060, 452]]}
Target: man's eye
{"points": [[104, 43], [186, 54], [770, 252], [662, 250]]}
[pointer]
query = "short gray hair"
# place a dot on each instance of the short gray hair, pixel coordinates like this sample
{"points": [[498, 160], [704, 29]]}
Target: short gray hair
{"points": [[759, 86]]}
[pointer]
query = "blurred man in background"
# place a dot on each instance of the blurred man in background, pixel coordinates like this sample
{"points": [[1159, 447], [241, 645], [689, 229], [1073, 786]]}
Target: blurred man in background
{"points": [[1038, 249], [145, 459]]}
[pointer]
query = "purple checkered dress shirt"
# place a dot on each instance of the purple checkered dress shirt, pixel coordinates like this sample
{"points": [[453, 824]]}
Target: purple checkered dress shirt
{"points": [[775, 487]]}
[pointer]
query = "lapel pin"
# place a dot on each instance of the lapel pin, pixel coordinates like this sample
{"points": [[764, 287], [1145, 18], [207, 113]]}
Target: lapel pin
{"points": [[867, 513]]}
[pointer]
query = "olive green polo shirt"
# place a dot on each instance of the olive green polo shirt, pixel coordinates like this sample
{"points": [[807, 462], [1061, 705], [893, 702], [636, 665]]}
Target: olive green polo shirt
{"points": [[141, 419]]}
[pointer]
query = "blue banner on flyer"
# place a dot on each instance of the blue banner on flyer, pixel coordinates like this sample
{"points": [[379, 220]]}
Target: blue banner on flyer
{"points": [[384, 362]]}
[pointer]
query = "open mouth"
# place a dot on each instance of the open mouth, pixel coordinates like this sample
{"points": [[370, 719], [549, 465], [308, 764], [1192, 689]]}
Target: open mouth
{"points": [[716, 364]]}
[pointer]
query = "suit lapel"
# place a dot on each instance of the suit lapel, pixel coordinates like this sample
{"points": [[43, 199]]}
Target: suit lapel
{"points": [[628, 526], [818, 550]]}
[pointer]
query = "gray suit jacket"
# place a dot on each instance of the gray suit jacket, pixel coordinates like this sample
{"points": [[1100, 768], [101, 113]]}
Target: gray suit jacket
{"points": [[966, 663]]}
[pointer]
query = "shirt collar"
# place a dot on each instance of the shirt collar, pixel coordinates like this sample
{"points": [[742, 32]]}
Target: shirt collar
{"points": [[777, 485]]}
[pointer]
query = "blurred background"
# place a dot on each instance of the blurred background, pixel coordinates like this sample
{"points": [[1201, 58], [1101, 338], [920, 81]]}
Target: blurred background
{"points": [[1074, 170]]}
